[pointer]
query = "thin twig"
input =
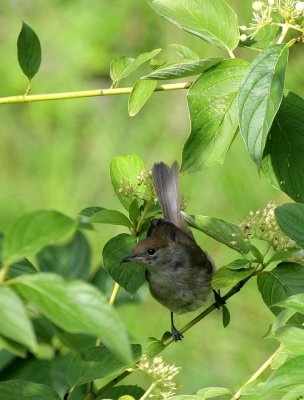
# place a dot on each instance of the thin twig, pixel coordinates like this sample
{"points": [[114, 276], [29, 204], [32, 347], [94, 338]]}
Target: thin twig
{"points": [[87, 93]]}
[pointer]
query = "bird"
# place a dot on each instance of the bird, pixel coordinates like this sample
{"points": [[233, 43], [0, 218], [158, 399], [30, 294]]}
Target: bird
{"points": [[178, 271]]}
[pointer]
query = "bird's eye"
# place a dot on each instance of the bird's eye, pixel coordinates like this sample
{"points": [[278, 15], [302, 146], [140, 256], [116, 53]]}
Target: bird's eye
{"points": [[151, 252]]}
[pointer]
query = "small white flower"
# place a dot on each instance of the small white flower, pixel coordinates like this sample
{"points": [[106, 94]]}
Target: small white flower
{"points": [[243, 28], [257, 5], [243, 37], [271, 2], [299, 6]]}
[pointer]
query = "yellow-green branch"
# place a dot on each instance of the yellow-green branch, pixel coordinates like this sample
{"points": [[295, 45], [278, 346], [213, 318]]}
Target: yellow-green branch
{"points": [[86, 93]]}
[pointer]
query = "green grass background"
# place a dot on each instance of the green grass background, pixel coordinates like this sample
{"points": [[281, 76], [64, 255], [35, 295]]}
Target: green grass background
{"points": [[55, 155]]}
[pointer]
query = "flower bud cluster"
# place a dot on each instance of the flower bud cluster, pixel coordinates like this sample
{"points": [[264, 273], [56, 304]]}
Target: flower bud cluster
{"points": [[262, 224], [291, 10], [143, 189], [162, 375]]}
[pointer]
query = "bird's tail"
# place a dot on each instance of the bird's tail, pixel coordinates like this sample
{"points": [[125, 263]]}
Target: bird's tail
{"points": [[166, 182]]}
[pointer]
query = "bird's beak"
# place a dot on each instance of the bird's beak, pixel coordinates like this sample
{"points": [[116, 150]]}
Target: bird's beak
{"points": [[127, 259]]}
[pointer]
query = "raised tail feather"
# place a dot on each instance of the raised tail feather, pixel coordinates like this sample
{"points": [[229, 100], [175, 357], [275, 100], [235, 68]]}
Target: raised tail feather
{"points": [[166, 182]]}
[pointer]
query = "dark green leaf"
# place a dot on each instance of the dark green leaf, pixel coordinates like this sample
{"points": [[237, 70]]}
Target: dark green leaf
{"points": [[95, 363], [25, 390], [126, 169], [72, 260], [89, 211], [290, 218], [215, 22], [29, 51], [212, 102], [141, 92], [260, 97], [220, 230], [76, 342], [239, 264], [279, 283], [134, 212], [20, 268], [112, 217], [226, 316], [129, 275], [184, 52], [32, 231], [284, 148], [76, 307], [12, 346], [256, 253], [122, 67], [116, 392], [226, 277], [15, 324], [182, 70]]}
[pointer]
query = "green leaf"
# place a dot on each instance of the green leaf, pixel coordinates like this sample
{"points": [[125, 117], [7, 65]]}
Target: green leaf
{"points": [[239, 264], [295, 302], [124, 66], [214, 22], [292, 338], [182, 70], [141, 92], [284, 148], [256, 253], [25, 390], [212, 102], [32, 231], [112, 217], [225, 277], [290, 218], [283, 254], [290, 373], [210, 392], [260, 97], [294, 393], [15, 324], [184, 52], [281, 282], [129, 275], [29, 51], [21, 267], [226, 316], [116, 392], [13, 347], [126, 169], [220, 230], [134, 211], [71, 260], [154, 347], [75, 342], [95, 363], [76, 307]]}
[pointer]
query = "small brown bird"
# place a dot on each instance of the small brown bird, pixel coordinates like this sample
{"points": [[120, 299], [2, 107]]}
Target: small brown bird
{"points": [[177, 269]]}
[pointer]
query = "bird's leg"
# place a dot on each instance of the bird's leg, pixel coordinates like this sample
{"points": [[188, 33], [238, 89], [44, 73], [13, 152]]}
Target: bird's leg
{"points": [[177, 335], [218, 298]]}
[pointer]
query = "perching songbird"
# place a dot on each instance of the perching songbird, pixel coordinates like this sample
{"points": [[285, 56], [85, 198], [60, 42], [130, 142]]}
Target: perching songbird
{"points": [[177, 269]]}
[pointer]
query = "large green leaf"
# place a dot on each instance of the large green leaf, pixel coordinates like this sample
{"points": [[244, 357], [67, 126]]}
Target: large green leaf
{"points": [[71, 260], [279, 283], [220, 230], [112, 217], [295, 302], [124, 66], [14, 348], [25, 390], [182, 70], [285, 147], [75, 307], [95, 363], [125, 169], [15, 324], [225, 277], [212, 102], [260, 97], [129, 275], [141, 92], [292, 338], [290, 218], [32, 231], [211, 20], [116, 392], [29, 51]]}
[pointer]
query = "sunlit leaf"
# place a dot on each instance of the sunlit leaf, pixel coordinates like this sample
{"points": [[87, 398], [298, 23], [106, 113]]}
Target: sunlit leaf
{"points": [[225, 277], [141, 92], [184, 52]]}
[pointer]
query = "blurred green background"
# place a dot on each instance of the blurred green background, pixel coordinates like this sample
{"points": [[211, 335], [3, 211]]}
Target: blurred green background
{"points": [[55, 155]]}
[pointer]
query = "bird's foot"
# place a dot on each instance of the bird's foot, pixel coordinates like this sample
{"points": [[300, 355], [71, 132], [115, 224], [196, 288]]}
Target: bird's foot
{"points": [[176, 335], [219, 300]]}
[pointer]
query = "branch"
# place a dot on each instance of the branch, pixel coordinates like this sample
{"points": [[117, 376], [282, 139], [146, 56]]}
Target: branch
{"points": [[87, 93], [189, 325]]}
